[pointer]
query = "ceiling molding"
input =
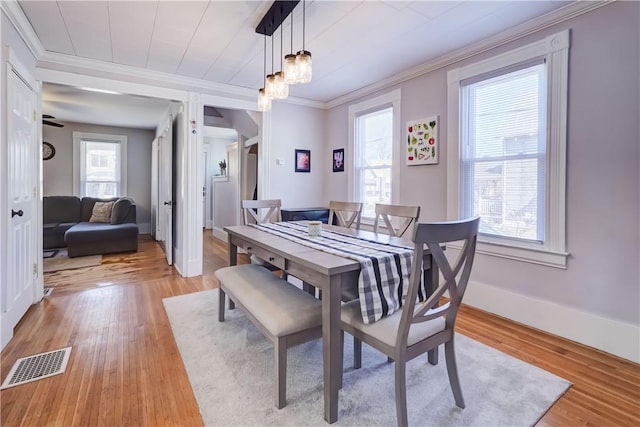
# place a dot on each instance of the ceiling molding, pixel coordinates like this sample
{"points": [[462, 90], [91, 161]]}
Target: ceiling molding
{"points": [[16, 16], [96, 68], [559, 15]]}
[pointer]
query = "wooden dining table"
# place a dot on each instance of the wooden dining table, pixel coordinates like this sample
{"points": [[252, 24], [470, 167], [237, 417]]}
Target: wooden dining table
{"points": [[328, 272]]}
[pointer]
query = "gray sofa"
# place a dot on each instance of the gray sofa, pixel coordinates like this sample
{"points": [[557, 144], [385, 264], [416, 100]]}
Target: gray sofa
{"points": [[66, 224]]}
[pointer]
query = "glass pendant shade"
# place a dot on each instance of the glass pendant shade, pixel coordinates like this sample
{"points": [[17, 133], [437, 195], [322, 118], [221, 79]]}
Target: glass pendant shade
{"points": [[303, 63], [290, 69], [270, 85], [264, 102], [281, 88]]}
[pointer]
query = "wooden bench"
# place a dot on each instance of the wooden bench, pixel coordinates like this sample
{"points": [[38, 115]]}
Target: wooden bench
{"points": [[285, 314]]}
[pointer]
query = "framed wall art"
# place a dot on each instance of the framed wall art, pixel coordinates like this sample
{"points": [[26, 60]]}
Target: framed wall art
{"points": [[338, 160], [423, 146], [303, 161]]}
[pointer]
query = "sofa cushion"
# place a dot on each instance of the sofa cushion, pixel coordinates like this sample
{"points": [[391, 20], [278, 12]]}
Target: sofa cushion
{"points": [[56, 228], [59, 209], [124, 210], [89, 232], [101, 212], [86, 207]]}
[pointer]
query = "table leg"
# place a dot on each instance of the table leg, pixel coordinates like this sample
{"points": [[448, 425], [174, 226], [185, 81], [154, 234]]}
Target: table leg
{"points": [[331, 347], [431, 281], [233, 260]]}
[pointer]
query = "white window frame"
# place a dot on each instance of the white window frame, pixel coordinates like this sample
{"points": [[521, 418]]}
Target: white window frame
{"points": [[391, 99], [78, 159], [555, 52]]}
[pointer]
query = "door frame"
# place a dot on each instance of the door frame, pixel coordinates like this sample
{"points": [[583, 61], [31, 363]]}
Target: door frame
{"points": [[189, 259]]}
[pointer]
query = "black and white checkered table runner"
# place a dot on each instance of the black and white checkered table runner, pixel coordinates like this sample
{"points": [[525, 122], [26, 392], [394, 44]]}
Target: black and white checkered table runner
{"points": [[384, 267]]}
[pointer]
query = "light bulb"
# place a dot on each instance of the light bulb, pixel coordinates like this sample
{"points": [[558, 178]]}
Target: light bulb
{"points": [[290, 69], [303, 64], [264, 102], [270, 85], [281, 89]]}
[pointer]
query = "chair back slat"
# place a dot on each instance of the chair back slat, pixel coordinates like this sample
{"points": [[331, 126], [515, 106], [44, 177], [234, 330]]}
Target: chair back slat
{"points": [[346, 214], [403, 216], [456, 276], [261, 211]]}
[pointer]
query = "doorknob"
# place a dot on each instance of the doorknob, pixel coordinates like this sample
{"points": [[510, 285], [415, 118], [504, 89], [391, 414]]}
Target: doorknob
{"points": [[14, 213], [168, 203]]}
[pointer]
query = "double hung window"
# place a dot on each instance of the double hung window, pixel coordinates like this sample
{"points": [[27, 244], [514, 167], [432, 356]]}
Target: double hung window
{"points": [[373, 130], [99, 165], [507, 150]]}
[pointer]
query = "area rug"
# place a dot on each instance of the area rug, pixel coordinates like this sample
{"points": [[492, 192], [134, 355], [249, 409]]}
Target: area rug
{"points": [[49, 253], [231, 370], [61, 261]]}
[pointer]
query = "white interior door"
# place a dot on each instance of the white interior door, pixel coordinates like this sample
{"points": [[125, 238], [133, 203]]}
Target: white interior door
{"points": [[166, 198], [206, 186], [18, 292]]}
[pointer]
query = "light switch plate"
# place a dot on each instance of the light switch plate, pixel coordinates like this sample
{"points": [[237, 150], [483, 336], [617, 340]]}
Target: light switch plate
{"points": [[279, 162]]}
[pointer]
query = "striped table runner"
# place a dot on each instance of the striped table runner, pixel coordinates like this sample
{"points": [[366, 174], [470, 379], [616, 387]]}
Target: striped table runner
{"points": [[385, 267]]}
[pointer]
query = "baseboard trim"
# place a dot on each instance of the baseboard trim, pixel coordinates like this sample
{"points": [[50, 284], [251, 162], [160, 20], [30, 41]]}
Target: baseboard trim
{"points": [[612, 336], [219, 233]]}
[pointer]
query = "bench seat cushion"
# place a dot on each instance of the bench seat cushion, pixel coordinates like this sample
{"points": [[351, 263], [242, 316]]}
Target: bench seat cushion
{"points": [[278, 305], [88, 232]]}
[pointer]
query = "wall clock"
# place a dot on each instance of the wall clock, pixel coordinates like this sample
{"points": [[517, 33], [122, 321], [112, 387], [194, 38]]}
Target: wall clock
{"points": [[48, 151]]}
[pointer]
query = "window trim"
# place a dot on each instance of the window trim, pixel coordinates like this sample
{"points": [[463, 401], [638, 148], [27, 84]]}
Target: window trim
{"points": [[554, 50], [391, 99], [78, 138]]}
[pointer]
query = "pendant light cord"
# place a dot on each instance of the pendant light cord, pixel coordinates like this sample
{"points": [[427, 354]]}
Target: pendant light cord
{"points": [[291, 32], [304, 18], [271, 54], [265, 61], [281, 37]]}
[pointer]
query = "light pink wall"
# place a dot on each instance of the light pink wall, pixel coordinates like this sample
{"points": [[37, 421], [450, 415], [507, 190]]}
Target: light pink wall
{"points": [[603, 203]]}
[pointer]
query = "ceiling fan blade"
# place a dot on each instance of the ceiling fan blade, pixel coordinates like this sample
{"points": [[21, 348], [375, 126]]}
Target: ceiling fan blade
{"points": [[47, 122]]}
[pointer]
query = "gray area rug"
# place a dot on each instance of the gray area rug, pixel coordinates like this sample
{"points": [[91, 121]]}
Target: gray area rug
{"points": [[231, 369]]}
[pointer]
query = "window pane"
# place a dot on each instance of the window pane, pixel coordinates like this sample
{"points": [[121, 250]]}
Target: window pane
{"points": [[373, 163], [102, 190], [102, 161], [504, 155]]}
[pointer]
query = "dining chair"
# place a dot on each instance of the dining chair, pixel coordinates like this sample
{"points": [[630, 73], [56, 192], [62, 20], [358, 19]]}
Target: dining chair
{"points": [[346, 214], [420, 326], [260, 212], [392, 215]]}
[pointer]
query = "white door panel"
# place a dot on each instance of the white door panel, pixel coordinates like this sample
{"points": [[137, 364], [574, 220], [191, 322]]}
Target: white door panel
{"points": [[23, 158]]}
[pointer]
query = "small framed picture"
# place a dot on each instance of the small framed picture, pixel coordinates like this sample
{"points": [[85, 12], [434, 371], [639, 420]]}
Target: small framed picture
{"points": [[338, 160], [303, 160], [422, 142]]}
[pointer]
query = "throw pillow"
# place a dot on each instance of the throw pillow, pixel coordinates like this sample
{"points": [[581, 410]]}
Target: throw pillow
{"points": [[101, 212]]}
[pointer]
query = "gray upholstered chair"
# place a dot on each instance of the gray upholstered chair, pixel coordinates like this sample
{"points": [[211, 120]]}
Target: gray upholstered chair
{"points": [[397, 218], [421, 326], [345, 214]]}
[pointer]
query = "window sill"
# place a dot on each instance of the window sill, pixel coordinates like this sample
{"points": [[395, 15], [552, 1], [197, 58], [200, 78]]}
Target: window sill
{"points": [[533, 255]]}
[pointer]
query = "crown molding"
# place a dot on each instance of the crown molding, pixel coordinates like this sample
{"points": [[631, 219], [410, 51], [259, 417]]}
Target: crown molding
{"points": [[16, 16], [62, 62], [542, 22]]}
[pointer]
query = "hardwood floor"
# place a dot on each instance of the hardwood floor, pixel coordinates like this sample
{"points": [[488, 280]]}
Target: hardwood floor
{"points": [[125, 368]]}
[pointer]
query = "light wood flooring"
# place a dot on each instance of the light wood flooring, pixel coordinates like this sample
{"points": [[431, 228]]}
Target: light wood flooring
{"points": [[125, 368]]}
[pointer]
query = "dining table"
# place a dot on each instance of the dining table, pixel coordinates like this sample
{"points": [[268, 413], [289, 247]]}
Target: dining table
{"points": [[330, 273]]}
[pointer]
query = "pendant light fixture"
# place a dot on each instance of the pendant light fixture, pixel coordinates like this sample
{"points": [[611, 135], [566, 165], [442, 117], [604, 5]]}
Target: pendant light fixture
{"points": [[281, 88], [303, 57], [295, 68], [290, 68], [264, 102]]}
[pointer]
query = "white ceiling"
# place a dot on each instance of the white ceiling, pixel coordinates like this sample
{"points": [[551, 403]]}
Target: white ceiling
{"points": [[353, 43]]}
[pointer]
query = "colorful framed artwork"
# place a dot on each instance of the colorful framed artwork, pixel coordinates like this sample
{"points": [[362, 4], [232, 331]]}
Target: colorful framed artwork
{"points": [[422, 142], [303, 161], [338, 160]]}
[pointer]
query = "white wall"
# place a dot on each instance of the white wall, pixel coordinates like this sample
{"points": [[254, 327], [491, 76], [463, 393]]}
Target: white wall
{"points": [[596, 300], [58, 171], [295, 127]]}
